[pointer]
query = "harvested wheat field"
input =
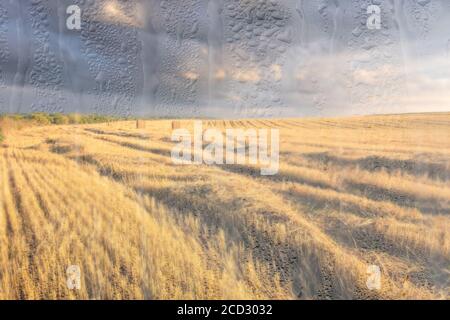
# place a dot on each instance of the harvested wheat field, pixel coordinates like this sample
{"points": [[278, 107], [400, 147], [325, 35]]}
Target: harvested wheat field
{"points": [[350, 193]]}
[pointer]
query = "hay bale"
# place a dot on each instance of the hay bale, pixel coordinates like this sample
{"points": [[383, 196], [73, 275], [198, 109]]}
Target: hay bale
{"points": [[140, 124], [176, 125]]}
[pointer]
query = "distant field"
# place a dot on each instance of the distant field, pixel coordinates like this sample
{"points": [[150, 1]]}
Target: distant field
{"points": [[350, 193]]}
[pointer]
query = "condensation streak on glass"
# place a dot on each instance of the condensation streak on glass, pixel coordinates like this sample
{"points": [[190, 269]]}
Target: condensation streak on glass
{"points": [[235, 58]]}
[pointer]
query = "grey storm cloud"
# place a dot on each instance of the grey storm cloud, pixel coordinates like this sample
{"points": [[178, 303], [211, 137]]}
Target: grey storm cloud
{"points": [[234, 58]]}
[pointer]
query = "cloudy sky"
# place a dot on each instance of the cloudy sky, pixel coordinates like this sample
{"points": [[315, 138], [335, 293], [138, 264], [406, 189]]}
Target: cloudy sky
{"points": [[226, 58]]}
